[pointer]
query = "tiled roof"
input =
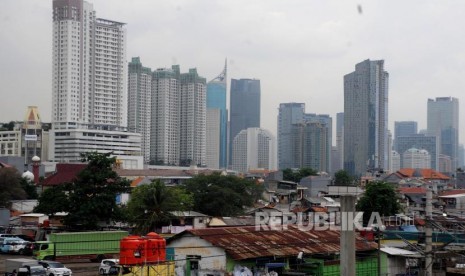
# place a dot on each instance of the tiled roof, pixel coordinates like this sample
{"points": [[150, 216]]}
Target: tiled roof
{"points": [[247, 242], [452, 192], [65, 173], [425, 173], [412, 190]]}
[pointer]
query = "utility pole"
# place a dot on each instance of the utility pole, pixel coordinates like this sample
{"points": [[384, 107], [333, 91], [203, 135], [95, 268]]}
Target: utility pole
{"points": [[429, 234]]}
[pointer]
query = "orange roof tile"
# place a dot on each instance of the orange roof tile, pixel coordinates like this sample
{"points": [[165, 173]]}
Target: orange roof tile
{"points": [[136, 181], [452, 192], [412, 190], [426, 173]]}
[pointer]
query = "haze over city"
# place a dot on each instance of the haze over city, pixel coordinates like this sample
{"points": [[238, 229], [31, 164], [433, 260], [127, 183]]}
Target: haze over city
{"points": [[299, 50]]}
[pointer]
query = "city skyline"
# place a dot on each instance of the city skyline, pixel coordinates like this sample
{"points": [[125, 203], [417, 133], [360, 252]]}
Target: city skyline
{"points": [[310, 45]]}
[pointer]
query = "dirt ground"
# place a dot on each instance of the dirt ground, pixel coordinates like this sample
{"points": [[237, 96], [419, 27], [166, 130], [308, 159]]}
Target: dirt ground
{"points": [[79, 267]]}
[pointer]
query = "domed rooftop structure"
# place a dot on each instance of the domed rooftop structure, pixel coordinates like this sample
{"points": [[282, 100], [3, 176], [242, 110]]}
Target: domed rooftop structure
{"points": [[28, 175]]}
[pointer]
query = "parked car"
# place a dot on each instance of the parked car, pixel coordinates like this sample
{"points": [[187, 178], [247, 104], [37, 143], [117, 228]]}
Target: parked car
{"points": [[34, 270], [54, 268], [11, 245], [24, 237], [106, 264], [21, 247]]}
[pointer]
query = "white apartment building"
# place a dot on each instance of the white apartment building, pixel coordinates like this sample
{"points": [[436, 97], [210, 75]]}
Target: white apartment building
{"points": [[140, 103], [71, 143], [89, 68], [89, 100], [193, 119], [164, 140], [416, 159], [395, 162], [254, 148]]}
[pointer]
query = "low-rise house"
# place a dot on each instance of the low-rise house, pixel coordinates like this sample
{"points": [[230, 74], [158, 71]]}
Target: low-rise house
{"points": [[317, 185], [453, 201], [216, 251], [183, 220], [401, 261]]}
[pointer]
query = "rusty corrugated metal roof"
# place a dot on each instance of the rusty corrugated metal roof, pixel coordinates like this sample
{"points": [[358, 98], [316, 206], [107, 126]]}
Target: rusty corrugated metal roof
{"points": [[247, 242]]}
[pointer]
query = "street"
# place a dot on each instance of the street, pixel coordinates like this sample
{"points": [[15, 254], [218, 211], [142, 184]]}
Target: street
{"points": [[79, 267]]}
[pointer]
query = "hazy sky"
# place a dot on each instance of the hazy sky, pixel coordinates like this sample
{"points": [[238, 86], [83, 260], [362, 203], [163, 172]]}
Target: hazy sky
{"points": [[299, 49]]}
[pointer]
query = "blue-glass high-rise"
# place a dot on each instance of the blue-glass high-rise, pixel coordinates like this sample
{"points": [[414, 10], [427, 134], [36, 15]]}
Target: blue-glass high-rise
{"points": [[245, 106], [216, 99]]}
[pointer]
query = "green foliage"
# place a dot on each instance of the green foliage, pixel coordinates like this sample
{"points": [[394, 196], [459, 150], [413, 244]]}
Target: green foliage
{"points": [[219, 195], [29, 188], [150, 205], [52, 200], [10, 186], [343, 178], [92, 197], [297, 175], [8, 126], [379, 197]]}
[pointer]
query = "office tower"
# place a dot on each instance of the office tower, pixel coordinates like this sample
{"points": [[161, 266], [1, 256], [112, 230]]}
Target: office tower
{"points": [[212, 139], [89, 98], [404, 128], [366, 118], [339, 154], [217, 151], [416, 159], [140, 103], [253, 148], [327, 122], [193, 119], [461, 158], [289, 114], [244, 105], [89, 68], [443, 122], [419, 141], [165, 130], [309, 145]]}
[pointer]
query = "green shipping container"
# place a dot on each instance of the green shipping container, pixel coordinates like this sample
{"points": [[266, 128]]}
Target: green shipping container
{"points": [[89, 245]]}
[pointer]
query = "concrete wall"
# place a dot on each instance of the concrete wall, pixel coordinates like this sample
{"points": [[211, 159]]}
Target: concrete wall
{"points": [[213, 258]]}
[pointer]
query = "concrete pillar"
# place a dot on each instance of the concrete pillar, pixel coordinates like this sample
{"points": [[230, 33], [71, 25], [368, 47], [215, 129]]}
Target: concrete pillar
{"points": [[347, 235]]}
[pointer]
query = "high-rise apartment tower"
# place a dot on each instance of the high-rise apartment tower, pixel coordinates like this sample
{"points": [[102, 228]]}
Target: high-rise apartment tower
{"points": [[366, 118]]}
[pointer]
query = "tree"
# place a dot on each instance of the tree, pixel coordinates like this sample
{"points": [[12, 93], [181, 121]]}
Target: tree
{"points": [[8, 126], [91, 198], [53, 200], [379, 197], [219, 195], [297, 175], [29, 188], [10, 186], [150, 205], [342, 178]]}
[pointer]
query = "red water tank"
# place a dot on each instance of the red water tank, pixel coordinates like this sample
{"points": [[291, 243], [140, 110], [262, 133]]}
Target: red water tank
{"points": [[132, 250], [156, 248]]}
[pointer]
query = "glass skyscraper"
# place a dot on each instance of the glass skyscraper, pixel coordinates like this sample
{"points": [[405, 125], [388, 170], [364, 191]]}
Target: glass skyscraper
{"points": [[404, 128], [366, 118], [216, 99], [289, 114], [245, 106], [443, 122]]}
